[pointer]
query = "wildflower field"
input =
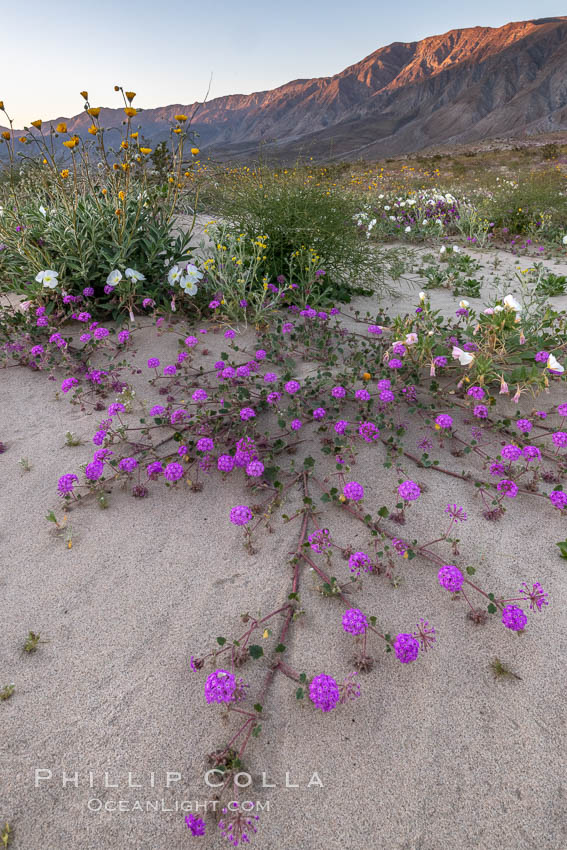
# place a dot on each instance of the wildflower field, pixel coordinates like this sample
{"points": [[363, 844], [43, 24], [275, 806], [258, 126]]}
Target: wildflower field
{"points": [[284, 496]]}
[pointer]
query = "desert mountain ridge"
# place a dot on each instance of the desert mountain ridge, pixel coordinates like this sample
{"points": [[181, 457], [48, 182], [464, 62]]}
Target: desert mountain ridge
{"points": [[466, 85]]}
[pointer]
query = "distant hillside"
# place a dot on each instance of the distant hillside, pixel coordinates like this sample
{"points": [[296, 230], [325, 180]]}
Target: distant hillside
{"points": [[463, 86]]}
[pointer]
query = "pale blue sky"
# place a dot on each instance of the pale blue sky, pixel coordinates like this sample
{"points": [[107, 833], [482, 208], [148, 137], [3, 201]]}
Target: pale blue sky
{"points": [[166, 51]]}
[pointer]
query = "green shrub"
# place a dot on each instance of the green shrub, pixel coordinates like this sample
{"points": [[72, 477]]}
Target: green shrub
{"points": [[294, 212]]}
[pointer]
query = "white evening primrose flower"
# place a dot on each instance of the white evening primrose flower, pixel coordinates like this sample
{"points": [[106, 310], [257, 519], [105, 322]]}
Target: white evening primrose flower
{"points": [[192, 273], [175, 275], [134, 275], [408, 229], [456, 249], [386, 207], [188, 286], [463, 357], [511, 303], [422, 296], [498, 308], [464, 304], [425, 222], [442, 249], [411, 339], [553, 364], [114, 278], [43, 211], [48, 278], [565, 240]]}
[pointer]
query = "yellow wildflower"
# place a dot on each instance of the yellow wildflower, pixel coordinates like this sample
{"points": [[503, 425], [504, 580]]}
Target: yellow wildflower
{"points": [[177, 129], [71, 143], [195, 151], [124, 144], [37, 123], [61, 128], [23, 140], [6, 133], [134, 135], [84, 94], [94, 111], [1, 104], [181, 118], [145, 150], [130, 111], [130, 95], [121, 195], [93, 130], [65, 173], [366, 376]]}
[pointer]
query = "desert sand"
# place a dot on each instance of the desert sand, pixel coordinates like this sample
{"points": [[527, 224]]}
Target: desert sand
{"points": [[435, 755]]}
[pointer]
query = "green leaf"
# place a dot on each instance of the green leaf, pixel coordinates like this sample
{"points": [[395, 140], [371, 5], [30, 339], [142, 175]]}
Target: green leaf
{"points": [[308, 463], [255, 651], [280, 648], [492, 609], [300, 693], [383, 512], [221, 641], [471, 571], [257, 707], [562, 548], [302, 677]]}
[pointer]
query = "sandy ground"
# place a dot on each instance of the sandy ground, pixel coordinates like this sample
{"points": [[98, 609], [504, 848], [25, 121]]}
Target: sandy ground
{"points": [[433, 756]]}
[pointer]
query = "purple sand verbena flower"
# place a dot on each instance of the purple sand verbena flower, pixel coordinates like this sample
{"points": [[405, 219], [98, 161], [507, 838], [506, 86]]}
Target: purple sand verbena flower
{"points": [[509, 488], [324, 692], [425, 634], [354, 621], [536, 595], [451, 578], [320, 540], [195, 824], [359, 561], [456, 513], [444, 420], [511, 452], [354, 491], [240, 515], [128, 464], [406, 648], [514, 618], [558, 499], [409, 491], [220, 687], [476, 392], [173, 471], [225, 463], [255, 468], [65, 483]]}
